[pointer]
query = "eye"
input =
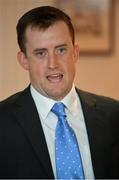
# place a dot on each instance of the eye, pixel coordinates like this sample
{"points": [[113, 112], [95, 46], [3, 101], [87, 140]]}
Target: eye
{"points": [[41, 53], [61, 50]]}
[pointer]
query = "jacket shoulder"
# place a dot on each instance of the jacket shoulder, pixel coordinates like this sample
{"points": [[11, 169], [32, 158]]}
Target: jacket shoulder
{"points": [[14, 98], [101, 100]]}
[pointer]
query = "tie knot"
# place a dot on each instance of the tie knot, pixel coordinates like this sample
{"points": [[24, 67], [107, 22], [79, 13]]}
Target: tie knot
{"points": [[59, 109]]}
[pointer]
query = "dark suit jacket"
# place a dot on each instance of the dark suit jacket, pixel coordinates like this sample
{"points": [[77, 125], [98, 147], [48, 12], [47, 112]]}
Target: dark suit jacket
{"points": [[23, 149]]}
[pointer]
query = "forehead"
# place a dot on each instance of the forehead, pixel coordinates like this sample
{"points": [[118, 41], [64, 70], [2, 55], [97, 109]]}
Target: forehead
{"points": [[57, 30]]}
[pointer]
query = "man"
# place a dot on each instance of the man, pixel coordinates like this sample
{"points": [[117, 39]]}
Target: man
{"points": [[27, 122]]}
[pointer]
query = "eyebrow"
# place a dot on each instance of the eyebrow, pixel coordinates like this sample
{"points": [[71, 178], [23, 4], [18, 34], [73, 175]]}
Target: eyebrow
{"points": [[61, 45], [44, 49], [39, 49]]}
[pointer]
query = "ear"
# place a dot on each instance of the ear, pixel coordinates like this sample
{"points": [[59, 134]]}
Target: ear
{"points": [[76, 52], [23, 61]]}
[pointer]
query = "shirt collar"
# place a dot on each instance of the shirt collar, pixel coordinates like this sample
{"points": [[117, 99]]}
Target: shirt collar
{"points": [[44, 104], [71, 101]]}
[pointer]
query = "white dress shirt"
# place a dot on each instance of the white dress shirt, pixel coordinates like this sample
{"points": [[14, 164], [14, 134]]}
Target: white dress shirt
{"points": [[75, 118]]}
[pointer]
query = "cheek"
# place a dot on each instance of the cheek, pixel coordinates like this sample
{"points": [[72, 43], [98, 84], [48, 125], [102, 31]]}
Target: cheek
{"points": [[69, 72], [36, 71], [71, 66], [72, 70]]}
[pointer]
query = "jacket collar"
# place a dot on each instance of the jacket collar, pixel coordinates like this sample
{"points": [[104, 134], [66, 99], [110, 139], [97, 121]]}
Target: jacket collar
{"points": [[95, 129], [27, 116], [33, 129]]}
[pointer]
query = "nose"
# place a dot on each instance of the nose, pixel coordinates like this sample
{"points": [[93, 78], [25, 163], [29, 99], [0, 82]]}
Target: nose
{"points": [[52, 61]]}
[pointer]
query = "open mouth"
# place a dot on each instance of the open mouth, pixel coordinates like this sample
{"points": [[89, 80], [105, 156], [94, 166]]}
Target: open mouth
{"points": [[54, 78]]}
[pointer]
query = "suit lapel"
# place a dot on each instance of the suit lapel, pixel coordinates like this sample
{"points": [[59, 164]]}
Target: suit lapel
{"points": [[27, 116], [32, 127], [95, 130]]}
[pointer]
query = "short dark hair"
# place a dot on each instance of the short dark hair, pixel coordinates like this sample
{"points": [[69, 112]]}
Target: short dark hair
{"points": [[41, 17]]}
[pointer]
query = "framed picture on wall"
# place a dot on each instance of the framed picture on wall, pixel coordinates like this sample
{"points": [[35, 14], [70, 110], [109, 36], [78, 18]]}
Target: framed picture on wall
{"points": [[93, 22]]}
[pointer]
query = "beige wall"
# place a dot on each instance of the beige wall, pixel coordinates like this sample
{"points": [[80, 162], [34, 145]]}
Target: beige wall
{"points": [[98, 74], [101, 74]]}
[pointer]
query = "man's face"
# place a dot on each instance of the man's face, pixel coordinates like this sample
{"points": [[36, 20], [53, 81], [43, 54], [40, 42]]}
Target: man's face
{"points": [[50, 59]]}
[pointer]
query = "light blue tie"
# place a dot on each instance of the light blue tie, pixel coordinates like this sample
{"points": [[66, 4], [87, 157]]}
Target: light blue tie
{"points": [[68, 159]]}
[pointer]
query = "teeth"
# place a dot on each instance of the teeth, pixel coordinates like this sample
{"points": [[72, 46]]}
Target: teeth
{"points": [[55, 75]]}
